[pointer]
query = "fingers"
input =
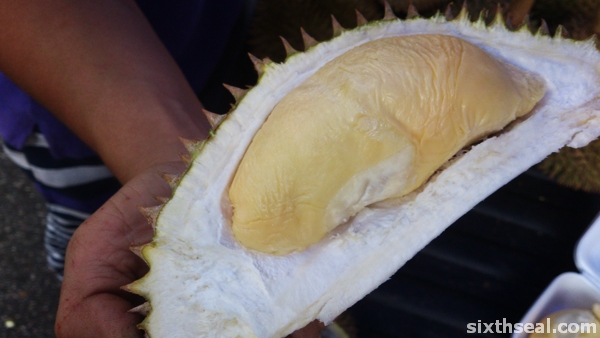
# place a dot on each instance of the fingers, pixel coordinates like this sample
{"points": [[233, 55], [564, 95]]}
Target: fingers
{"points": [[91, 302], [102, 315], [99, 263]]}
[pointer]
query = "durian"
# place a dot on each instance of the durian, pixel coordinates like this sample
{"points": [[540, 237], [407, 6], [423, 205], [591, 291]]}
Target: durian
{"points": [[204, 283], [584, 324]]}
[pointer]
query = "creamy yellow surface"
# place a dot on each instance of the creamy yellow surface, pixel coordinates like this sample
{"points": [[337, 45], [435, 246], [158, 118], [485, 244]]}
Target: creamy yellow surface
{"points": [[582, 319], [372, 124]]}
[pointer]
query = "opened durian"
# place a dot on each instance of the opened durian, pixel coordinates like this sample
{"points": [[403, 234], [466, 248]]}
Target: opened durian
{"points": [[346, 160]]}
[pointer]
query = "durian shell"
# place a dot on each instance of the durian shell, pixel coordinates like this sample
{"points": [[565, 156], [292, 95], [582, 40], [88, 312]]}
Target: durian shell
{"points": [[202, 283]]}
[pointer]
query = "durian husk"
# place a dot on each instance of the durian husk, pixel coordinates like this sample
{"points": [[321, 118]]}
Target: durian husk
{"points": [[577, 169], [202, 283]]}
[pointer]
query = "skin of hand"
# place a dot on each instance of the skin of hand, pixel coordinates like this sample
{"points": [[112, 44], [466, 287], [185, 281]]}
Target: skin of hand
{"points": [[99, 67], [99, 263]]}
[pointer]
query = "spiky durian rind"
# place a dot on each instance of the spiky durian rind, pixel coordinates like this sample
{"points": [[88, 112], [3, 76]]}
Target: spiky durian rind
{"points": [[202, 283], [575, 168]]}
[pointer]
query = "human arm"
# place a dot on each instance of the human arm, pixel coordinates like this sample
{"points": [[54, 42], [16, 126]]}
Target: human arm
{"points": [[98, 66]]}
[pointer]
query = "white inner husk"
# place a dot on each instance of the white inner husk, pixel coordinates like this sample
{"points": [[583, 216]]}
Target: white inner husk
{"points": [[203, 284]]}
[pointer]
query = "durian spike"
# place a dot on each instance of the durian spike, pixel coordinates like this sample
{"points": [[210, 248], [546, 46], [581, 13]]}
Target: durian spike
{"points": [[187, 159], [193, 146], [289, 50], [525, 25], [360, 19], [238, 93], [137, 250], [129, 288], [412, 12], [161, 199], [151, 213], [388, 12], [143, 309], [308, 40], [448, 14], [214, 120], [142, 326], [337, 28], [543, 30], [172, 180], [498, 18], [561, 32], [463, 15], [481, 20], [258, 64]]}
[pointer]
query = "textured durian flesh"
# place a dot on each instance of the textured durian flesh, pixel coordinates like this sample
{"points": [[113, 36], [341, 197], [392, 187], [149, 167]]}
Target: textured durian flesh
{"points": [[374, 123], [570, 316]]}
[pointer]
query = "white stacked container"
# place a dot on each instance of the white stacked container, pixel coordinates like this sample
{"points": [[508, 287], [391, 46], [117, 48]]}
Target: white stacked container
{"points": [[572, 290]]}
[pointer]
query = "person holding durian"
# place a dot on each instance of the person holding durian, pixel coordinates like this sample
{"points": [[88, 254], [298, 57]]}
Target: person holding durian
{"points": [[102, 70]]}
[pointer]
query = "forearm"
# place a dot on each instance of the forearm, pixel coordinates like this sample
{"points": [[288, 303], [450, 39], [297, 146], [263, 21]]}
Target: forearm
{"points": [[99, 67]]}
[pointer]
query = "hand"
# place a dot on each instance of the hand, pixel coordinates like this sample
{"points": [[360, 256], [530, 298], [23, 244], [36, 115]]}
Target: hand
{"points": [[99, 263]]}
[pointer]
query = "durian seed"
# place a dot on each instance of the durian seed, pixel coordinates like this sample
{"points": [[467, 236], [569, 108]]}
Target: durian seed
{"points": [[172, 180], [143, 309], [360, 19], [448, 14], [238, 93], [543, 30], [151, 213], [193, 146], [412, 12], [214, 120], [337, 28], [388, 12], [453, 94], [259, 66], [308, 40], [289, 50]]}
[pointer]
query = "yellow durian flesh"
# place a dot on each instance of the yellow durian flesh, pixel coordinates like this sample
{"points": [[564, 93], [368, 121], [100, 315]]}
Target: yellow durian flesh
{"points": [[587, 320], [372, 124]]}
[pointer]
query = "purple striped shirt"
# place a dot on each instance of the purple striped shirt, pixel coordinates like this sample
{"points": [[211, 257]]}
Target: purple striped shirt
{"points": [[194, 31]]}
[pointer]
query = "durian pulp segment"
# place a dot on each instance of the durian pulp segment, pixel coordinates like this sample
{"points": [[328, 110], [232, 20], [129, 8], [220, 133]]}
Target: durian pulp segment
{"points": [[581, 317], [370, 125]]}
